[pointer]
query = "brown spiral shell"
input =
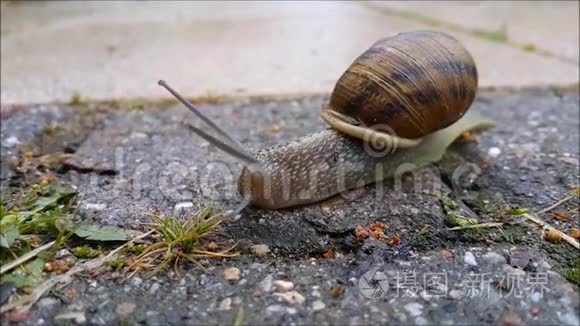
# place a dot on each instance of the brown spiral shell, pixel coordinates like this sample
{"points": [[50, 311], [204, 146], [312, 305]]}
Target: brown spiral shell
{"points": [[414, 82]]}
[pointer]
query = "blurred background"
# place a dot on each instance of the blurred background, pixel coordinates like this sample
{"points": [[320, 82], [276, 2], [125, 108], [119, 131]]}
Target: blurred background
{"points": [[112, 50]]}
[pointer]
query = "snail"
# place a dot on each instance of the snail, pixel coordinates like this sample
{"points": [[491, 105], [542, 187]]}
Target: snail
{"points": [[408, 94]]}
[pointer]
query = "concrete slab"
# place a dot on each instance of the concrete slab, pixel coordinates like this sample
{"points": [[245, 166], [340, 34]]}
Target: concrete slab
{"points": [[552, 26], [103, 50]]}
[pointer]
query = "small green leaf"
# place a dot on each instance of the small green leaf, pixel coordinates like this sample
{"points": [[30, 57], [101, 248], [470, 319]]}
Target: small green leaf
{"points": [[54, 195], [454, 219], [19, 280], [518, 211], [101, 233], [239, 321], [8, 236], [31, 275]]}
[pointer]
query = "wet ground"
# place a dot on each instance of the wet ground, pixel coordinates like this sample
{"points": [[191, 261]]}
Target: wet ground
{"points": [[128, 163]]}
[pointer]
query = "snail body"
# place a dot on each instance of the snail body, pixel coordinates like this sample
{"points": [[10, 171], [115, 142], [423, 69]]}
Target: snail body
{"points": [[327, 163], [405, 93]]}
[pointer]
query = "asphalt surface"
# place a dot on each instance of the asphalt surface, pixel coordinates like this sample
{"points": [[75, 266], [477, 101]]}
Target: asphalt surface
{"points": [[127, 164]]}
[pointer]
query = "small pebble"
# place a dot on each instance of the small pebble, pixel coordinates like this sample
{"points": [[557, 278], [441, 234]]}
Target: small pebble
{"points": [[425, 296], [494, 152], [94, 207], [232, 274], [414, 309], [494, 258], [154, 288], [11, 141], [267, 283], [569, 318], [276, 308], [283, 286], [515, 272], [62, 254], [421, 321], [318, 305], [47, 302], [445, 253], [469, 259], [260, 250], [536, 296], [77, 317], [226, 304], [183, 206], [125, 309], [455, 294], [510, 319], [291, 297], [291, 311]]}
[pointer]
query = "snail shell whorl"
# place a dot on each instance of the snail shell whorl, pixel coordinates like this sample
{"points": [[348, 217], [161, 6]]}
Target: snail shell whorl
{"points": [[414, 82]]}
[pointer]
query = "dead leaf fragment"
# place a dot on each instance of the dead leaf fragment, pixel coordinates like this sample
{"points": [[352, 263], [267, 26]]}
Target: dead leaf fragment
{"points": [[336, 292], [376, 230], [395, 240], [329, 254], [445, 253], [361, 233], [563, 217]]}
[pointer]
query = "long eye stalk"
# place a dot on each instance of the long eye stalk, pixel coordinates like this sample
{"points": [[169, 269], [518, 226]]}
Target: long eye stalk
{"points": [[231, 146]]}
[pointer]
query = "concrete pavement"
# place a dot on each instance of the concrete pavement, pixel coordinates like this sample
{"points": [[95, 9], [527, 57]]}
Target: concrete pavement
{"points": [[103, 50]]}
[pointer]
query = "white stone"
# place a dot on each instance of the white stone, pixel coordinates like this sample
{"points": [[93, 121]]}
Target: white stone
{"points": [[291, 311], [11, 141], [276, 308], [182, 207], [425, 296], [494, 152], [469, 259], [47, 302], [536, 296], [95, 207], [78, 317], [283, 286], [292, 297], [569, 318], [136, 281], [455, 294], [154, 288], [267, 283], [414, 309], [318, 305], [226, 304]]}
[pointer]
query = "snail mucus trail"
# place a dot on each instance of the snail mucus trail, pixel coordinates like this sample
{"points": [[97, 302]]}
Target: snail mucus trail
{"points": [[419, 85]]}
